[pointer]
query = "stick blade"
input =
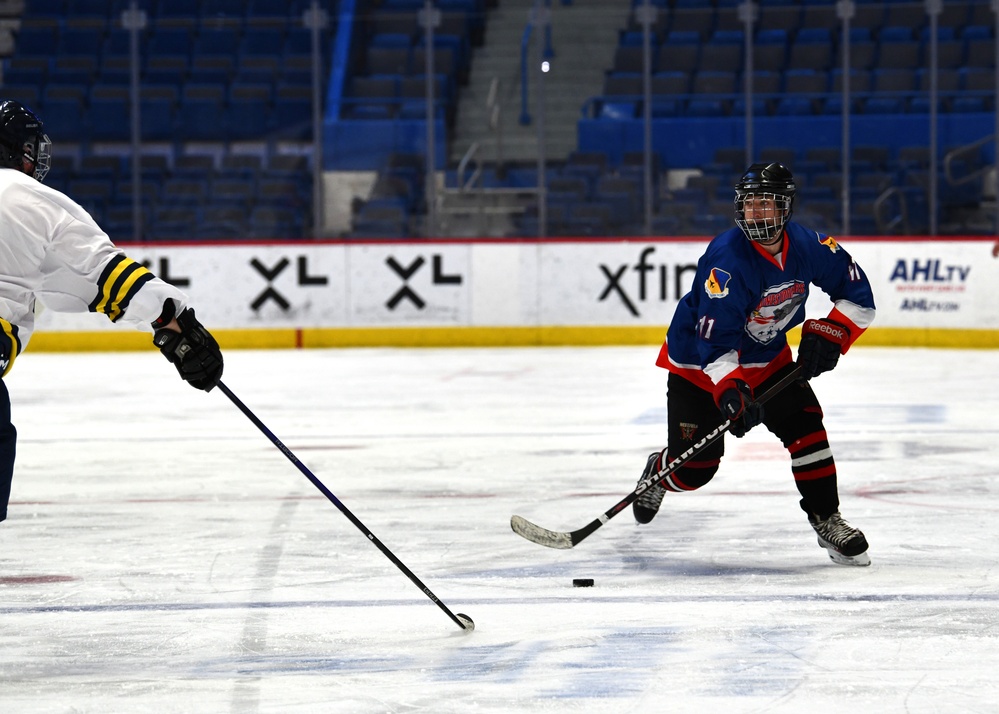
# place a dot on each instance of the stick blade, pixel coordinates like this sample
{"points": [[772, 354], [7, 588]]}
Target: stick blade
{"points": [[542, 536]]}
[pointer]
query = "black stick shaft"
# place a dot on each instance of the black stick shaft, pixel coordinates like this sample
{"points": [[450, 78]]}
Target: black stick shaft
{"points": [[343, 509]]}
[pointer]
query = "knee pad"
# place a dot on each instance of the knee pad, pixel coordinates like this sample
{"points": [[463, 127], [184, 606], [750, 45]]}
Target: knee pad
{"points": [[692, 475]]}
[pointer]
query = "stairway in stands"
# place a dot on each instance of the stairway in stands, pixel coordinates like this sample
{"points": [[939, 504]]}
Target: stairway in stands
{"points": [[584, 37]]}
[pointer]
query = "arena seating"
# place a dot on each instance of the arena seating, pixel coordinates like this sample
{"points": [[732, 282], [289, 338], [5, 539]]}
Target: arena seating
{"points": [[225, 89], [225, 100]]}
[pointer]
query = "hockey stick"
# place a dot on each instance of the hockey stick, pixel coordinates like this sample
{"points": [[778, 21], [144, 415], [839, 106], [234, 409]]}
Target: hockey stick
{"points": [[565, 540], [463, 621]]}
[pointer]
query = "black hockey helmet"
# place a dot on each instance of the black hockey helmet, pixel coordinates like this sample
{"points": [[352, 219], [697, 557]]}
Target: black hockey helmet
{"points": [[23, 143], [765, 180]]}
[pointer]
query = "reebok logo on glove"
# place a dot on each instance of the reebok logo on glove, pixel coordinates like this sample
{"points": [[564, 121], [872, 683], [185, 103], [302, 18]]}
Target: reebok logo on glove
{"points": [[835, 332], [822, 342]]}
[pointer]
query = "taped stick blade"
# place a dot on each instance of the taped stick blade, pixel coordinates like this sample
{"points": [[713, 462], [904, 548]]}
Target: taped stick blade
{"points": [[542, 536]]}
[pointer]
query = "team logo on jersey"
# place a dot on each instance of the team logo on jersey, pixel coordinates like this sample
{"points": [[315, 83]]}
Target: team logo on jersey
{"points": [[775, 310], [829, 242], [716, 286], [687, 431]]}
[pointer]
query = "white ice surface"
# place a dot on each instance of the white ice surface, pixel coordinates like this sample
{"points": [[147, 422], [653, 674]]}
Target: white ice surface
{"points": [[162, 555]]}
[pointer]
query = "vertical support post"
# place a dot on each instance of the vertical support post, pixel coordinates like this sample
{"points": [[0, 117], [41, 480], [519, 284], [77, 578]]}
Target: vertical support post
{"points": [[134, 20], [747, 13], [995, 138], [646, 14], [844, 10], [429, 18], [317, 20], [541, 19], [933, 9]]}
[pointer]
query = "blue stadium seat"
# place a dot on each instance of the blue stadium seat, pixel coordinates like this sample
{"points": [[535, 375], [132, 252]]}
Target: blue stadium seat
{"points": [[274, 222], [292, 117], [222, 222], [28, 72], [201, 112], [811, 53], [805, 81], [699, 107], [227, 9], [677, 57], [376, 87], [883, 105], [795, 106], [63, 109], [760, 106], [110, 113], [169, 41], [248, 112], [860, 80], [230, 192], [714, 82], [26, 94], [216, 41], [893, 80], [184, 192], [898, 49], [165, 70], [81, 40], [38, 40], [92, 194], [117, 42], [173, 222], [240, 167], [192, 166], [387, 60], [670, 83], [178, 12], [664, 108], [621, 84], [629, 58], [52, 9], [262, 41]]}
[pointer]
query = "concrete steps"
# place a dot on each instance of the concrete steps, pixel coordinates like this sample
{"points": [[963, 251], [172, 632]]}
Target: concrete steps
{"points": [[584, 37]]}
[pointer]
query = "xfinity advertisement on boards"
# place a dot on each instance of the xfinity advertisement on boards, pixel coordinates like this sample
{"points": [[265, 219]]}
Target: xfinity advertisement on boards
{"points": [[938, 284]]}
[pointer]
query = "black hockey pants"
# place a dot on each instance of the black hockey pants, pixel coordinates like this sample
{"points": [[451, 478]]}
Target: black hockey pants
{"points": [[8, 443], [794, 416]]}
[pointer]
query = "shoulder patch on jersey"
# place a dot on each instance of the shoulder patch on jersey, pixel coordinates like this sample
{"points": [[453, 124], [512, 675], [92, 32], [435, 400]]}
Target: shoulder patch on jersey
{"points": [[829, 242], [716, 286]]}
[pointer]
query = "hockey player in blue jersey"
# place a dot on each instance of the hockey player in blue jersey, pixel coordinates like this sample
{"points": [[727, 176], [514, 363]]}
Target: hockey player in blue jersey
{"points": [[727, 342]]}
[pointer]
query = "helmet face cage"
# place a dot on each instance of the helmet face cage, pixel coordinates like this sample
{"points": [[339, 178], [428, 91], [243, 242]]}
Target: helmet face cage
{"points": [[39, 154], [769, 190], [769, 212], [24, 145]]}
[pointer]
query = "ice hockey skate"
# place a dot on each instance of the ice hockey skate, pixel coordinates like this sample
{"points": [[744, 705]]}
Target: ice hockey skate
{"points": [[647, 505], [845, 544]]}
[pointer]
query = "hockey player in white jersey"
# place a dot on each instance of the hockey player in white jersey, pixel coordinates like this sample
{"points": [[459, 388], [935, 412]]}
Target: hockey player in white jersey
{"points": [[53, 252]]}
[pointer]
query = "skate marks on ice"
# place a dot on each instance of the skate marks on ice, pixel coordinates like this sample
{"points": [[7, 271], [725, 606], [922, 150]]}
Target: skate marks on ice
{"points": [[217, 580]]}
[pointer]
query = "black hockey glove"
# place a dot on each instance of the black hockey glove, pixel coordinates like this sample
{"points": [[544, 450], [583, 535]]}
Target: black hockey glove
{"points": [[735, 400], [822, 342], [193, 351]]}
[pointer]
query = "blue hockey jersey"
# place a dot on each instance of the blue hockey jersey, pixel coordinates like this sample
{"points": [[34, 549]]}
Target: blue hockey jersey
{"points": [[744, 301]]}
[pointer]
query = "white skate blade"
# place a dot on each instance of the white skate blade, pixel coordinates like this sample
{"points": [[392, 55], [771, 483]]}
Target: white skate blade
{"points": [[858, 560]]}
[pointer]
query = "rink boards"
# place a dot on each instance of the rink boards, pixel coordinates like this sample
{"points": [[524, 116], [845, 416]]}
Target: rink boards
{"points": [[929, 292]]}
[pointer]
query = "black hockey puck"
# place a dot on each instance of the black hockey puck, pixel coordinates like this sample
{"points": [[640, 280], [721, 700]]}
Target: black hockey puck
{"points": [[582, 582]]}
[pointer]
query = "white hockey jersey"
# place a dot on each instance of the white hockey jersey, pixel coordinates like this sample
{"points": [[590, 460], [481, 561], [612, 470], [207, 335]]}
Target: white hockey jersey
{"points": [[52, 251]]}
